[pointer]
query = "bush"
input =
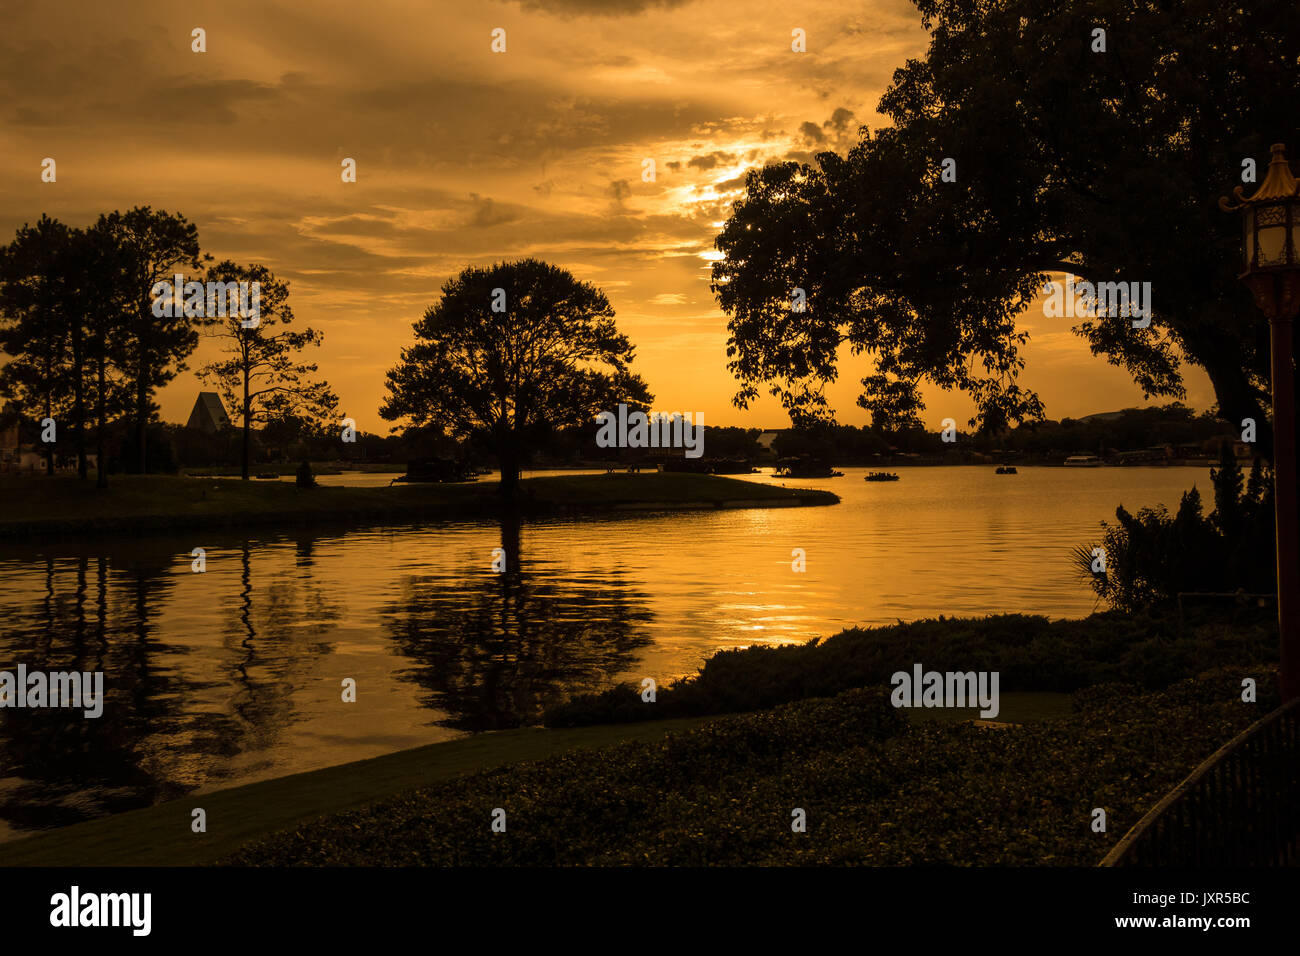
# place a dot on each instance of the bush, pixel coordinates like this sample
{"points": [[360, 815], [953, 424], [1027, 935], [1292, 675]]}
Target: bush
{"points": [[876, 789], [1154, 556], [1151, 649]]}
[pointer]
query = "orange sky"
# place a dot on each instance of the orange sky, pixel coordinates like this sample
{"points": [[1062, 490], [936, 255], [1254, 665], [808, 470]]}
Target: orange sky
{"points": [[465, 157]]}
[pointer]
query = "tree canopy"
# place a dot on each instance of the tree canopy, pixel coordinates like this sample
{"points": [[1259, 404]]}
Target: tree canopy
{"points": [[510, 353], [1107, 165], [260, 377]]}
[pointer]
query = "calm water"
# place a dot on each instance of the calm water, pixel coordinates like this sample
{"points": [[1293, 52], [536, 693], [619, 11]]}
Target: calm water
{"points": [[233, 675]]}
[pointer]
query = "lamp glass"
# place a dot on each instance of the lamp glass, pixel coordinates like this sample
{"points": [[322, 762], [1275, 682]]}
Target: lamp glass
{"points": [[1271, 234]]}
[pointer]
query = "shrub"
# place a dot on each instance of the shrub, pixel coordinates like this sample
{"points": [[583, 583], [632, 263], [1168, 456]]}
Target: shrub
{"points": [[876, 789], [1030, 653], [1153, 556]]}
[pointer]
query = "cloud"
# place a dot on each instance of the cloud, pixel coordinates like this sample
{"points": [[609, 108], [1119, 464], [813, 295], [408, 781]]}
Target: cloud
{"points": [[812, 134], [710, 160], [453, 144], [486, 213], [839, 120]]}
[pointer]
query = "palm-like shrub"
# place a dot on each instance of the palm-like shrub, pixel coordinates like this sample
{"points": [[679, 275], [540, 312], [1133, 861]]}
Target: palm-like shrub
{"points": [[1153, 556]]}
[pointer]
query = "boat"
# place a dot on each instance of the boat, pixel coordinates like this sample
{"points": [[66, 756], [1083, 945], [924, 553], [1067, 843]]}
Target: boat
{"points": [[436, 470], [805, 466], [1006, 470], [268, 475], [1083, 461], [880, 476], [708, 466]]}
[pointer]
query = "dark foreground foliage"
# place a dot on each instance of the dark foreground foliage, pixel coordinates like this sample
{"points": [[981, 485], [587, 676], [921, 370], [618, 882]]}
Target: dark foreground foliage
{"points": [[876, 788], [1030, 653], [1153, 556]]}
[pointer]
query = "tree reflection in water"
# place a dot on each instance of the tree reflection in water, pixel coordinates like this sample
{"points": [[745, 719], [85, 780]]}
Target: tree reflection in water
{"points": [[498, 651]]}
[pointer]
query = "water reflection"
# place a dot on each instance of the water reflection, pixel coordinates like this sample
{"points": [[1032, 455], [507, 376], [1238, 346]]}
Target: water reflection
{"points": [[218, 684], [235, 674], [496, 652], [58, 766]]}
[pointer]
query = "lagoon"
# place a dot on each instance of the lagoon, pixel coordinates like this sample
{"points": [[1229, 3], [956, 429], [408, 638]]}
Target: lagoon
{"points": [[234, 675]]}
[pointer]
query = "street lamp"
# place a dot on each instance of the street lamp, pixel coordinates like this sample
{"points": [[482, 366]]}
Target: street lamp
{"points": [[1271, 233]]}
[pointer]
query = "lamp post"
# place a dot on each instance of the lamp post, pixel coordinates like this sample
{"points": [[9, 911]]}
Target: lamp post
{"points": [[1271, 233]]}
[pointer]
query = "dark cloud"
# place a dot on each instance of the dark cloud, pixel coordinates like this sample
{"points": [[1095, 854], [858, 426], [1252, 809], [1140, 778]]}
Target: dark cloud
{"points": [[487, 213], [839, 120], [812, 134], [710, 160]]}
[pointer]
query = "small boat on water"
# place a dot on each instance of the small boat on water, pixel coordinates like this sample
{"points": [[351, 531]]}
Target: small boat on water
{"points": [[708, 466], [268, 475], [805, 466], [1006, 470], [436, 470], [880, 476]]}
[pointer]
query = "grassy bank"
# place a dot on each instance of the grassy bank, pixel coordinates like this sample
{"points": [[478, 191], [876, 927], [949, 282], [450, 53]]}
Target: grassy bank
{"points": [[161, 835], [144, 504], [879, 785], [876, 789]]}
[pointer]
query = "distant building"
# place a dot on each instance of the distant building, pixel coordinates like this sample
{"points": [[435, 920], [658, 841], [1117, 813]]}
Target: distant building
{"points": [[765, 440], [209, 415]]}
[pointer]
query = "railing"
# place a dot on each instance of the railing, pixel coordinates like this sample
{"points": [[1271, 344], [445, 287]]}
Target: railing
{"points": [[1241, 807]]}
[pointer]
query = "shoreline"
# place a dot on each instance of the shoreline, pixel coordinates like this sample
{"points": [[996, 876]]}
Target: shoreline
{"points": [[160, 835], [142, 505], [244, 813], [792, 679]]}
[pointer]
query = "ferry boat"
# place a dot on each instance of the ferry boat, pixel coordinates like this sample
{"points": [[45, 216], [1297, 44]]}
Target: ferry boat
{"points": [[880, 476]]}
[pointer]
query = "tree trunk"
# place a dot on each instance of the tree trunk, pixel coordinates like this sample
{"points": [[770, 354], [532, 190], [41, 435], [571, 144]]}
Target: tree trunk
{"points": [[101, 474], [49, 445], [508, 455], [141, 420], [244, 454], [79, 413], [79, 398]]}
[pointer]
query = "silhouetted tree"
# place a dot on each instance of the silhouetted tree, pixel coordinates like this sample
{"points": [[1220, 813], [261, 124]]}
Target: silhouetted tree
{"points": [[551, 357], [37, 328], [155, 246], [1066, 160], [105, 300], [261, 379]]}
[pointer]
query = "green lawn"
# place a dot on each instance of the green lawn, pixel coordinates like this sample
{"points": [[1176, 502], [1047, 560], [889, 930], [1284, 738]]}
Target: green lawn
{"points": [[37, 505]]}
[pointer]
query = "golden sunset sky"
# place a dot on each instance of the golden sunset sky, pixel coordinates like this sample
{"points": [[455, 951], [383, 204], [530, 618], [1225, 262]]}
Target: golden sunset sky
{"points": [[466, 157]]}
